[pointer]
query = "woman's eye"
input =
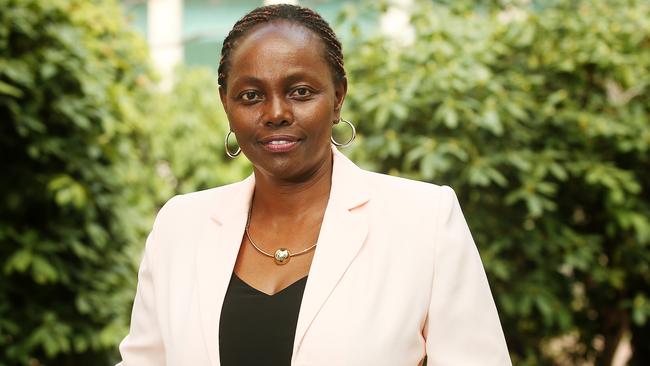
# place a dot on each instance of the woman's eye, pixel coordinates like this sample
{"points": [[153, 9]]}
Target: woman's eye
{"points": [[250, 96], [302, 92]]}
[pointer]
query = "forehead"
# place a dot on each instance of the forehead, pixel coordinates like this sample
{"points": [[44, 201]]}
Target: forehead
{"points": [[290, 31], [275, 48]]}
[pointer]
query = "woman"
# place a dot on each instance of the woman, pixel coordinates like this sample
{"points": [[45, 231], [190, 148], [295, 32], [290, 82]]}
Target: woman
{"points": [[310, 260]]}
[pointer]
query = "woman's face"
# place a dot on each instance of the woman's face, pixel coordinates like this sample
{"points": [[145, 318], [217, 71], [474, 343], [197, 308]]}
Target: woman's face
{"points": [[281, 100]]}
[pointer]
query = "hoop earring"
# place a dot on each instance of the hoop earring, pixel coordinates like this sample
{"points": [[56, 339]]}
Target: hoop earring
{"points": [[354, 134], [231, 155]]}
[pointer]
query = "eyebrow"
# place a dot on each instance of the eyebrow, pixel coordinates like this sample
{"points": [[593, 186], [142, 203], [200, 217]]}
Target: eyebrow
{"points": [[292, 78], [246, 80], [299, 75]]}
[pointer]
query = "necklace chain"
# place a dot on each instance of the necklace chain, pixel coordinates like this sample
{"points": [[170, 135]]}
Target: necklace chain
{"points": [[248, 236]]}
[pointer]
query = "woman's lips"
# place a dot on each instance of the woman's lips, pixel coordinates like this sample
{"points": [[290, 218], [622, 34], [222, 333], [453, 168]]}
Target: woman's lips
{"points": [[280, 145]]}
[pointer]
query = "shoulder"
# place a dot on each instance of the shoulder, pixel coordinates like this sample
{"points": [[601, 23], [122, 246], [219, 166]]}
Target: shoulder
{"points": [[183, 208], [183, 220], [408, 191], [387, 192]]}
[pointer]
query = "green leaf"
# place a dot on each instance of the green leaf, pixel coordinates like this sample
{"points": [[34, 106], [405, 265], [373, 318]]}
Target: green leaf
{"points": [[42, 271], [19, 261], [11, 90]]}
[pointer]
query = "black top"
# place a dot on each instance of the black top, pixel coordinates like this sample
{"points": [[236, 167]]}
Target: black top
{"points": [[256, 328]]}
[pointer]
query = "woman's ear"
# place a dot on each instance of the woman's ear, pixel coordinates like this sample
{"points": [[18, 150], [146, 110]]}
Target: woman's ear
{"points": [[340, 90]]}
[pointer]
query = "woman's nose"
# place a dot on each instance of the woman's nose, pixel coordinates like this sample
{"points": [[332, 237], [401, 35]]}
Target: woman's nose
{"points": [[278, 112]]}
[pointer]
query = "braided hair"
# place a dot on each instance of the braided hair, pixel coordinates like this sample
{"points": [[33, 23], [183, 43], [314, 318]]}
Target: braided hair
{"points": [[303, 16]]}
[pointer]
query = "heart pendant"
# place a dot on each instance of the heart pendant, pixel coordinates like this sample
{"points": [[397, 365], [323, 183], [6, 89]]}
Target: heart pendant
{"points": [[282, 256]]}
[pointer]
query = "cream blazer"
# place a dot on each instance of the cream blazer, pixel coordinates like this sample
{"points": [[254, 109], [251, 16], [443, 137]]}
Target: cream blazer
{"points": [[395, 276]]}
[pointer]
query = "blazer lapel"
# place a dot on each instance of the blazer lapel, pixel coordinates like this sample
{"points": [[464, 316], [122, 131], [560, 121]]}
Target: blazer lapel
{"points": [[216, 255], [343, 231]]}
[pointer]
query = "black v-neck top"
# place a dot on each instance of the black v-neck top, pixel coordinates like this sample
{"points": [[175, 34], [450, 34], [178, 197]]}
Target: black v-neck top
{"points": [[256, 328]]}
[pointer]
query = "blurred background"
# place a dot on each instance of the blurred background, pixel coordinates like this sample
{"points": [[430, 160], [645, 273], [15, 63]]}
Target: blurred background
{"points": [[535, 112]]}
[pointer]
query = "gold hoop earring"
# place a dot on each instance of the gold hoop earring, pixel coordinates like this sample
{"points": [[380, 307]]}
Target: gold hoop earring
{"points": [[354, 134], [236, 153]]}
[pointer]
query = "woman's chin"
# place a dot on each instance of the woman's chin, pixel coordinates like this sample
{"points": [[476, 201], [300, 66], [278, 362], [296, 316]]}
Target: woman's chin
{"points": [[286, 170]]}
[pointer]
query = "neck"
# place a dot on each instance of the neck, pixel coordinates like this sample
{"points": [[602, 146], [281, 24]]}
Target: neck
{"points": [[283, 198]]}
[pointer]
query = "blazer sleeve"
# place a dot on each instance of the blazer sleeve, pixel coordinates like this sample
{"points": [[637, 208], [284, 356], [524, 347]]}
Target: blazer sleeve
{"points": [[462, 327], [144, 345]]}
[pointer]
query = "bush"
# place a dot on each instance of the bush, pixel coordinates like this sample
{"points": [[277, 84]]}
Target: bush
{"points": [[74, 196], [537, 114]]}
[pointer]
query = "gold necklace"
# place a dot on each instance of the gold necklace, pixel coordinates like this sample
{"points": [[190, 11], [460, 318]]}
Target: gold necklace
{"points": [[282, 255]]}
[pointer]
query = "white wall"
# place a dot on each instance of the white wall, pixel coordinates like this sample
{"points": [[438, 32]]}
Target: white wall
{"points": [[164, 30]]}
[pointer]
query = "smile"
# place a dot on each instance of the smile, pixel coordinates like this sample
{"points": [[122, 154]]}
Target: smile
{"points": [[279, 144]]}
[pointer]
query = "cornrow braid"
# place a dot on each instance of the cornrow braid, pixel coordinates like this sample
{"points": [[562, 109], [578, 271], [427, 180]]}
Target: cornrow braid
{"points": [[303, 16]]}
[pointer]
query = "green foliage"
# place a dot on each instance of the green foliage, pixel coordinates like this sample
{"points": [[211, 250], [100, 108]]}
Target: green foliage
{"points": [[73, 193], [538, 116]]}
